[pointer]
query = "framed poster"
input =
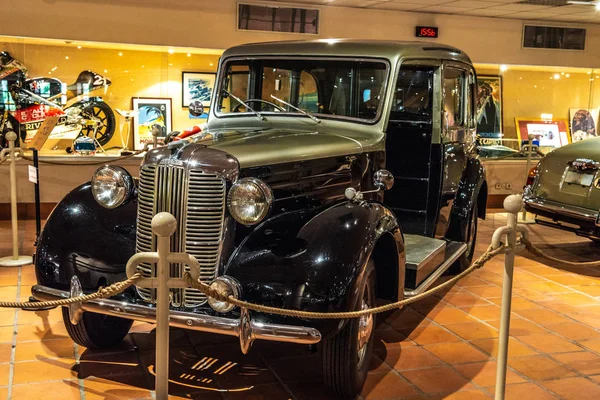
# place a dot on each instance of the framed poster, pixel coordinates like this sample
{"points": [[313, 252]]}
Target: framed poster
{"points": [[584, 123], [150, 111], [548, 133], [489, 106], [197, 86]]}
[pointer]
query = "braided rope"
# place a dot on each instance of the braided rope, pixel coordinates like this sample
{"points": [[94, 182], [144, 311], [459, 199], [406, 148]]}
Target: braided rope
{"points": [[207, 290], [538, 252], [102, 293]]}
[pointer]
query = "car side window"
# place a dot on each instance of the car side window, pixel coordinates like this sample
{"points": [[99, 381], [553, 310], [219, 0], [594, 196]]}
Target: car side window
{"points": [[454, 86], [413, 95]]}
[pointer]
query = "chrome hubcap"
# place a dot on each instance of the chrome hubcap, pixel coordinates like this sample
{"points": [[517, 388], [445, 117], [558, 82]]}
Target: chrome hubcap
{"points": [[365, 328]]}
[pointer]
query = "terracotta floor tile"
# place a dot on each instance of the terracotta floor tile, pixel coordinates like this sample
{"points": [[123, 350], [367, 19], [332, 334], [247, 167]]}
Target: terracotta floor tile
{"points": [[590, 290], [527, 391], [6, 334], [471, 281], [58, 390], [539, 368], [468, 395], [7, 317], [484, 313], [518, 303], [592, 344], [521, 327], [405, 319], [5, 351], [573, 280], [411, 357], [576, 299], [4, 374], [438, 380], [550, 343], [473, 330], [456, 353], [431, 334], [585, 362], [8, 293], [40, 317], [391, 337], [516, 348], [487, 292], [448, 315], [26, 351], [100, 389], [40, 371], [574, 388], [574, 331], [465, 300], [9, 280], [36, 332], [548, 287], [543, 317], [387, 386], [484, 373]]}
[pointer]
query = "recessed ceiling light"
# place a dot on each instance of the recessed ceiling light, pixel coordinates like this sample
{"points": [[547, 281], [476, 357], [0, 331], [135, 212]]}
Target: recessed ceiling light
{"points": [[503, 67], [79, 47], [556, 76], [120, 54], [189, 54], [66, 57], [171, 51]]}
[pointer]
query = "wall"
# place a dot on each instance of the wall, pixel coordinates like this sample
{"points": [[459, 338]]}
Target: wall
{"points": [[212, 24], [134, 73]]}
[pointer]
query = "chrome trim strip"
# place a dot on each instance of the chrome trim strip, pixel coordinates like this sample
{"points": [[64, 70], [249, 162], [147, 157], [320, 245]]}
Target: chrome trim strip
{"points": [[188, 320], [562, 209]]}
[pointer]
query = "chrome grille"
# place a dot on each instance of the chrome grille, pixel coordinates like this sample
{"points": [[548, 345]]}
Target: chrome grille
{"points": [[197, 200]]}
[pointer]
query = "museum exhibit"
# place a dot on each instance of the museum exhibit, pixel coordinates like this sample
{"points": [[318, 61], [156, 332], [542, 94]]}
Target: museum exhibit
{"points": [[300, 200]]}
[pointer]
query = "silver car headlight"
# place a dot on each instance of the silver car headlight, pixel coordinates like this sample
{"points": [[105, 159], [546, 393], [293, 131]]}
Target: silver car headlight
{"points": [[249, 201], [112, 186]]}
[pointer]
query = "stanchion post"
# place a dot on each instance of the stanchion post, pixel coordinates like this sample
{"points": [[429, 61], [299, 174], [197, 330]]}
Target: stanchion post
{"points": [[12, 154], [38, 218], [512, 204], [163, 226], [528, 166]]}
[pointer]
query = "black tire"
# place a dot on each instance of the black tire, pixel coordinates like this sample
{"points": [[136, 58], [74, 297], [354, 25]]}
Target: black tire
{"points": [[102, 111], [97, 331], [469, 236], [344, 370]]}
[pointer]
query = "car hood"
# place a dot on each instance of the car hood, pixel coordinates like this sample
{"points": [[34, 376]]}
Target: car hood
{"points": [[551, 171], [254, 147]]}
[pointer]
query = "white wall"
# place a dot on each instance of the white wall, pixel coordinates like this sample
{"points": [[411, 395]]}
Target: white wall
{"points": [[212, 24]]}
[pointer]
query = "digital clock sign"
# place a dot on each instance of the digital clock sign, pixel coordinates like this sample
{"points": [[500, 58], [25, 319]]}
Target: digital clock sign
{"points": [[427, 31]]}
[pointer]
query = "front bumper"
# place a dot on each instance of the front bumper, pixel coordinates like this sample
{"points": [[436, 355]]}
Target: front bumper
{"points": [[245, 328], [580, 220]]}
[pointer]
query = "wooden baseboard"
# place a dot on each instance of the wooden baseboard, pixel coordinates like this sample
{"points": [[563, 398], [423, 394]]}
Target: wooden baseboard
{"points": [[26, 210]]}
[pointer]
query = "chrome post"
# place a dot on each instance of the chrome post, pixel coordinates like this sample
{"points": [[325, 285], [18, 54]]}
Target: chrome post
{"points": [[13, 154], [512, 204], [528, 167]]}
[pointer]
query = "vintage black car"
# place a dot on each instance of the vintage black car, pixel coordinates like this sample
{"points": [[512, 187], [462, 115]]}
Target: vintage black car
{"points": [[282, 198]]}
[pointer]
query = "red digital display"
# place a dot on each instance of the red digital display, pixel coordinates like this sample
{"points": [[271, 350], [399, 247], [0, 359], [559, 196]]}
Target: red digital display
{"points": [[427, 31]]}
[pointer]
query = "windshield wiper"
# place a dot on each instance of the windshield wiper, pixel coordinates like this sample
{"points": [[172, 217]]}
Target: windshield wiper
{"points": [[258, 115], [309, 115]]}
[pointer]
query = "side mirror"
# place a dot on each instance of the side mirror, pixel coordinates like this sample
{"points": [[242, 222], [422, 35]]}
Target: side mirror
{"points": [[383, 179]]}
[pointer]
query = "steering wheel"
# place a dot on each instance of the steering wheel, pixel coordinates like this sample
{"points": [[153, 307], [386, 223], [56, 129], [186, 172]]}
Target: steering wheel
{"points": [[273, 105]]}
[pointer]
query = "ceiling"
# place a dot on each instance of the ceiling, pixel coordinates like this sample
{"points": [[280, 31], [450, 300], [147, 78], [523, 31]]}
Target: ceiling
{"points": [[542, 10]]}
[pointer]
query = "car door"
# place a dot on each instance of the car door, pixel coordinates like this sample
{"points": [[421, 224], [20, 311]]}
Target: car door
{"points": [[455, 137]]}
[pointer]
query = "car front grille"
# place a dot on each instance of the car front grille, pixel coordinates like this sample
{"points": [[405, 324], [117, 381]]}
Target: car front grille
{"points": [[197, 200]]}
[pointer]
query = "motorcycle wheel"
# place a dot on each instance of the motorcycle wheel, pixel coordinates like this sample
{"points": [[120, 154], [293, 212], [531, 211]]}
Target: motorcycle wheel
{"points": [[104, 113]]}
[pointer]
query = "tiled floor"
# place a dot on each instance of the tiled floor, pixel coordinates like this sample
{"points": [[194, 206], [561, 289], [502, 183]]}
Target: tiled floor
{"points": [[441, 347]]}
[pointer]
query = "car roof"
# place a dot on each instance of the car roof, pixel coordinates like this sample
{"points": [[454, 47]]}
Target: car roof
{"points": [[351, 48]]}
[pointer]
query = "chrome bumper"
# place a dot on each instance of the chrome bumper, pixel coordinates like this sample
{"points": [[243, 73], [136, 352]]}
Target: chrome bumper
{"points": [[567, 210], [245, 328]]}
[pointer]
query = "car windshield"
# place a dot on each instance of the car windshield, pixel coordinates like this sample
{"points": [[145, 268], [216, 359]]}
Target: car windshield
{"points": [[320, 87]]}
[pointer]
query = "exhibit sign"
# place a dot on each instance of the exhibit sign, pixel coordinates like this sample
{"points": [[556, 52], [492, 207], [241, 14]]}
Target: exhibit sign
{"points": [[150, 112], [197, 86], [547, 133], [489, 106], [584, 123]]}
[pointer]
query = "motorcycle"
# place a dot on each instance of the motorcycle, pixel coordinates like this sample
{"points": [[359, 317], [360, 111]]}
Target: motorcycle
{"points": [[26, 102]]}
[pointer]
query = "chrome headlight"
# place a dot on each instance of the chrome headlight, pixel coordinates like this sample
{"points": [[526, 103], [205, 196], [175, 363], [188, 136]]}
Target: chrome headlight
{"points": [[228, 286], [112, 186], [249, 201]]}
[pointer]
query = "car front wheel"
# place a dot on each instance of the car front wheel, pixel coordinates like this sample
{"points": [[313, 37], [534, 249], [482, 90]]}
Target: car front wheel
{"points": [[347, 355], [96, 331]]}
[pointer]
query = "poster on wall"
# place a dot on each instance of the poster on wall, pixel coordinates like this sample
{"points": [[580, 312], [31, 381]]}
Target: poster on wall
{"points": [[197, 86], [547, 133], [489, 106], [584, 123], [150, 111]]}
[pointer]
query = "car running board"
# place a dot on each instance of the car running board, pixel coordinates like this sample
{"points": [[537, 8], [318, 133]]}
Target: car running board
{"points": [[453, 251]]}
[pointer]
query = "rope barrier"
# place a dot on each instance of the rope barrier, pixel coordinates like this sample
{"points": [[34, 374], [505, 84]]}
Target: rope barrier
{"points": [[102, 293], [538, 252]]}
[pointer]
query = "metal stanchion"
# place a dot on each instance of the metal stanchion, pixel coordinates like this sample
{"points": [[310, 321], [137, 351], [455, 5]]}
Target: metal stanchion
{"points": [[13, 154], [513, 205], [163, 226], [523, 218]]}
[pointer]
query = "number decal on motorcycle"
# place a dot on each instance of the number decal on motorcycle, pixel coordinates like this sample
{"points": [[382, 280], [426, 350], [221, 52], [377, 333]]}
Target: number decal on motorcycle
{"points": [[98, 80]]}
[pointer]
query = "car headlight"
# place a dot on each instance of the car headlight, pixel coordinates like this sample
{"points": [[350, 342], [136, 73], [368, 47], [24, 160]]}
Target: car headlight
{"points": [[228, 286], [112, 186], [249, 200]]}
